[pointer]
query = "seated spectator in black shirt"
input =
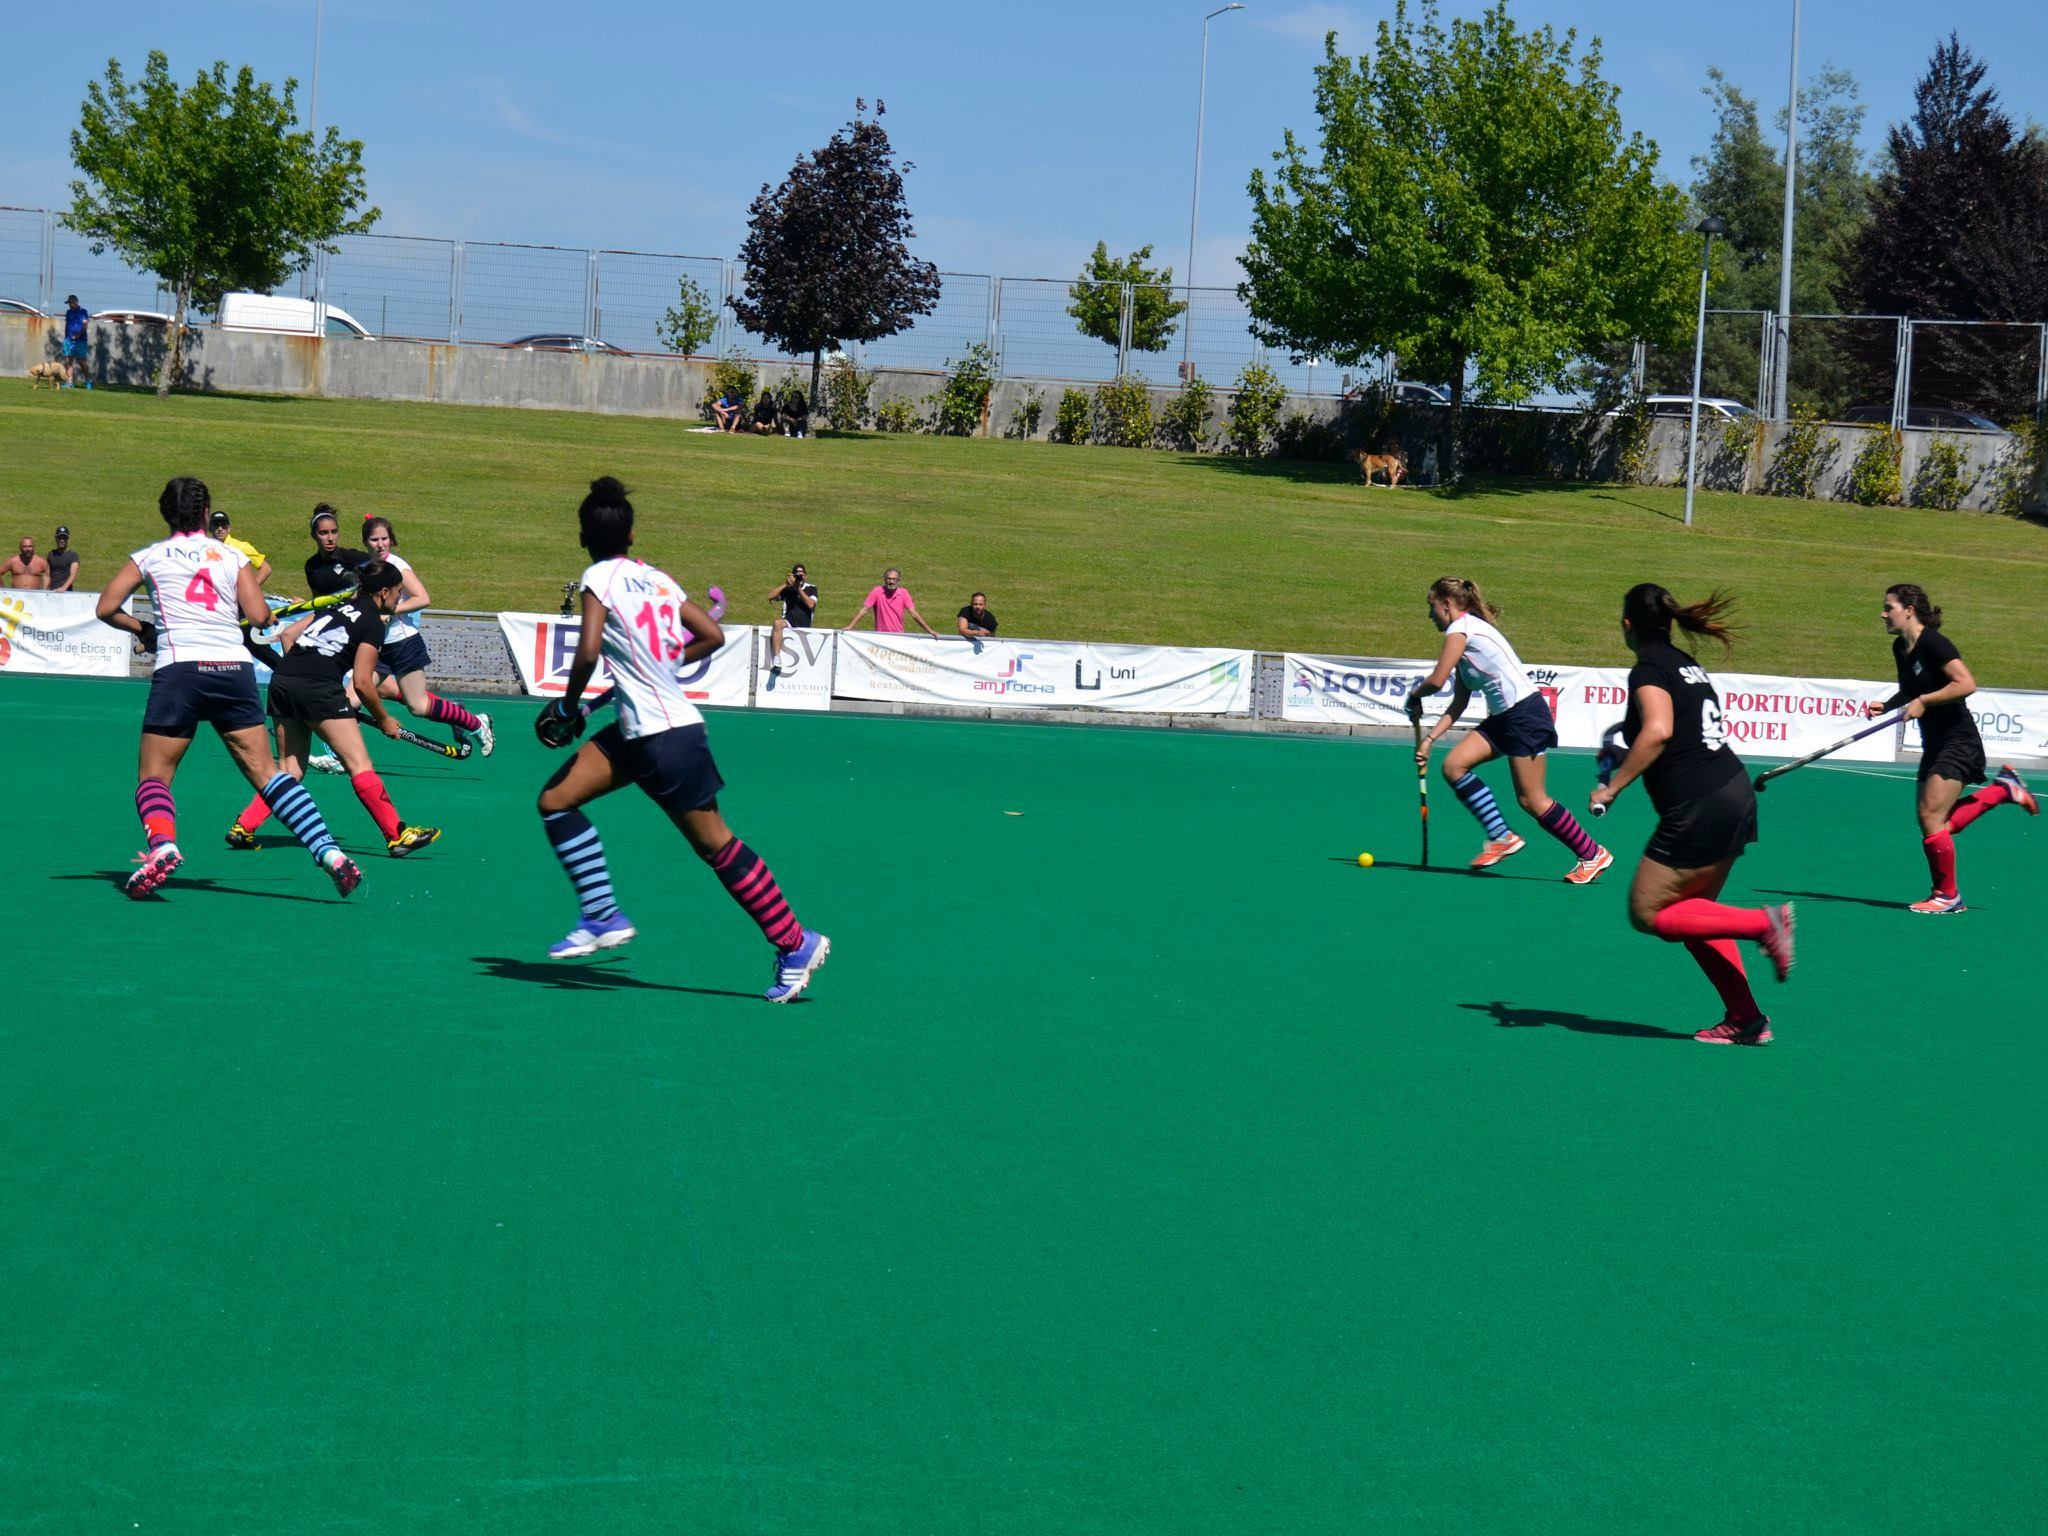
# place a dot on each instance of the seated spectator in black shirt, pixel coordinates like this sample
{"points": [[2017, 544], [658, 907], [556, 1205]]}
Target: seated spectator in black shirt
{"points": [[976, 622], [796, 413], [764, 413]]}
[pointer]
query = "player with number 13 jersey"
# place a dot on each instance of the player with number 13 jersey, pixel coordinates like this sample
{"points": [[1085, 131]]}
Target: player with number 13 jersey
{"points": [[1706, 809]]}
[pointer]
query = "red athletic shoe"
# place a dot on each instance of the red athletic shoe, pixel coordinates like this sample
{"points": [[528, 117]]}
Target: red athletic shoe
{"points": [[1939, 905], [1755, 1031], [156, 867], [2016, 786], [1493, 853], [1586, 871], [1778, 942], [341, 869]]}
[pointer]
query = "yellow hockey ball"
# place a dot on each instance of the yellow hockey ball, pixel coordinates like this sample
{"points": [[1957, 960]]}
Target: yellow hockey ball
{"points": [[1365, 861]]}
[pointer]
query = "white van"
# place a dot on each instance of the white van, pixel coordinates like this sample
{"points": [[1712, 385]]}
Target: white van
{"points": [[275, 312]]}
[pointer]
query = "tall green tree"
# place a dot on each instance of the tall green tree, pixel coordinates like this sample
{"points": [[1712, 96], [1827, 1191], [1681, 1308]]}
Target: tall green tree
{"points": [[213, 188], [1098, 299], [827, 252], [1474, 205]]}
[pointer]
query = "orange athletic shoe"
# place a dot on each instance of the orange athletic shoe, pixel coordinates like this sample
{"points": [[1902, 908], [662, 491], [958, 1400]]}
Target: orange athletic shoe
{"points": [[2016, 786], [1493, 853], [1586, 871]]}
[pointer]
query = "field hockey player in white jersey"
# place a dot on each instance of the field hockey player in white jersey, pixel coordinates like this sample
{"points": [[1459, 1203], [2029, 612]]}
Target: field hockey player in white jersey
{"points": [[402, 666], [202, 591], [1477, 658], [644, 626]]}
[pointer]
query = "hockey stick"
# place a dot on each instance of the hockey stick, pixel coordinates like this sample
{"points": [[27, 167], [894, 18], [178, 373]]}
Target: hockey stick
{"points": [[1832, 747], [1422, 789], [300, 607], [454, 749], [1613, 751]]}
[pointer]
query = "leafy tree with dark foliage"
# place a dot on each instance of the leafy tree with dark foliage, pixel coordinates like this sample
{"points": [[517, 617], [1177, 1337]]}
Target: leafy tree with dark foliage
{"points": [[1959, 231], [827, 253]]}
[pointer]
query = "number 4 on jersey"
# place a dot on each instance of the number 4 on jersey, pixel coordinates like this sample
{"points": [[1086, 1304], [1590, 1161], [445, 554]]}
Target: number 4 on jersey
{"points": [[200, 590]]}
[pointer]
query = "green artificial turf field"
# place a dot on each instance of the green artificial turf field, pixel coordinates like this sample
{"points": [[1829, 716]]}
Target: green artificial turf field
{"points": [[1083, 543], [1138, 1163]]}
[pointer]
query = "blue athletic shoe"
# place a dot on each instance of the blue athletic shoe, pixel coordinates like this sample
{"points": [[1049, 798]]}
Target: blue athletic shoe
{"points": [[592, 934], [793, 967]]}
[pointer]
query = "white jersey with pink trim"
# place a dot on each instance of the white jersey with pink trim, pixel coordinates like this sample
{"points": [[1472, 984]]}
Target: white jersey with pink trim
{"points": [[192, 582], [644, 636], [1490, 667]]}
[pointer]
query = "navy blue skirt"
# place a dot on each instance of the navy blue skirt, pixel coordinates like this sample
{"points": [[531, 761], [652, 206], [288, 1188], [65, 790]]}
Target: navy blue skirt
{"points": [[1521, 730]]}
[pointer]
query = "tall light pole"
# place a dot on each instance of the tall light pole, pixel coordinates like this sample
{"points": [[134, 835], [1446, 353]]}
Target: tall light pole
{"points": [[1187, 326], [1781, 349], [1710, 226], [313, 116], [313, 110]]}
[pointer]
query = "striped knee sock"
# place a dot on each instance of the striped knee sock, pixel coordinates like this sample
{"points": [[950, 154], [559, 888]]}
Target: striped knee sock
{"points": [[752, 884], [370, 790], [1480, 802], [1564, 826], [159, 815], [448, 712], [581, 851], [295, 808]]}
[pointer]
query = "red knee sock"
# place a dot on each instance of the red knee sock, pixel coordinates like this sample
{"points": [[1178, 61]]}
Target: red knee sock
{"points": [[1698, 918], [1941, 862], [159, 814], [254, 814], [1722, 962], [448, 712], [370, 790], [1971, 806]]}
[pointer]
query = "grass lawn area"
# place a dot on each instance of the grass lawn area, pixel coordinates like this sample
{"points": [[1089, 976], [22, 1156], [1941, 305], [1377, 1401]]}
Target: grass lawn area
{"points": [[1093, 543]]}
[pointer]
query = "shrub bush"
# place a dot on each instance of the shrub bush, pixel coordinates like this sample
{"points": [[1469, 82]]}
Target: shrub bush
{"points": [[1123, 412], [1943, 478], [1026, 415], [1804, 455], [1255, 409], [1874, 472], [846, 395], [963, 398], [2016, 472], [1630, 426], [1184, 423], [896, 416], [1070, 420]]}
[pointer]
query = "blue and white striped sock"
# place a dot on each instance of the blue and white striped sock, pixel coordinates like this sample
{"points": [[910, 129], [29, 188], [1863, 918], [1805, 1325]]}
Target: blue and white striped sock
{"points": [[289, 802], [1480, 802], [581, 851]]}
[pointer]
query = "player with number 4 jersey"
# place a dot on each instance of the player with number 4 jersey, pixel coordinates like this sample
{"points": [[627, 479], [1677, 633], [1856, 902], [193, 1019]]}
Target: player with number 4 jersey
{"points": [[202, 591], [1706, 809], [643, 625]]}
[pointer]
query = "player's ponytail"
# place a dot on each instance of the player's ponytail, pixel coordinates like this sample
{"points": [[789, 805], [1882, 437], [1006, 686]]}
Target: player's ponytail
{"points": [[371, 523], [1653, 613], [1466, 595], [605, 519], [1909, 596], [184, 504], [374, 576]]}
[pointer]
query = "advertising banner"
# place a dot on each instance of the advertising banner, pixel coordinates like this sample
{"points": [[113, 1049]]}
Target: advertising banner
{"points": [[1354, 690], [1044, 674], [799, 675], [59, 632], [2012, 725], [544, 645]]}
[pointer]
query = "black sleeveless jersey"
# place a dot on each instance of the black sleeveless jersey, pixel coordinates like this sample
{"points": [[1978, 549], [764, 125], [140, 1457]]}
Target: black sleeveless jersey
{"points": [[1696, 760]]}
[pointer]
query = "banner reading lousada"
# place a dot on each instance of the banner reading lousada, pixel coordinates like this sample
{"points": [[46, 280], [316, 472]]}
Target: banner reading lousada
{"points": [[59, 632], [543, 646], [1044, 674]]}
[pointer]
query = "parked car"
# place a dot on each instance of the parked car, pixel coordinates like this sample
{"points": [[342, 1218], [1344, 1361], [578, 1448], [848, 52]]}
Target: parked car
{"points": [[557, 341], [287, 316], [1938, 418], [1718, 407], [18, 307], [135, 317], [1421, 394]]}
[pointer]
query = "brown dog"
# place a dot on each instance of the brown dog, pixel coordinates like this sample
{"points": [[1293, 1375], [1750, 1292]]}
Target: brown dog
{"points": [[1394, 464], [53, 373]]}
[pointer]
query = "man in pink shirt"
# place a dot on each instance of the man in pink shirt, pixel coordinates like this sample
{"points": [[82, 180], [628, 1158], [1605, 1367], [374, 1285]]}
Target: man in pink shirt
{"points": [[891, 604]]}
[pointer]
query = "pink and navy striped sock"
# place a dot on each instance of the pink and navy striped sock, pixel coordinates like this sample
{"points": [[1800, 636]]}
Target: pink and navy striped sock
{"points": [[448, 712], [1564, 826], [753, 886], [159, 814]]}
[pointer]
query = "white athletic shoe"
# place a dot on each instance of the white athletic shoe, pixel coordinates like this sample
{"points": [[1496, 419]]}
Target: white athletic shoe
{"points": [[326, 762], [485, 736]]}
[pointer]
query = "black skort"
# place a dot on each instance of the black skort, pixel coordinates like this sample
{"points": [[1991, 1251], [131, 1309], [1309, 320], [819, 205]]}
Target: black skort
{"points": [[1717, 826], [673, 767], [1525, 729], [297, 696], [404, 655], [187, 694], [1959, 755]]}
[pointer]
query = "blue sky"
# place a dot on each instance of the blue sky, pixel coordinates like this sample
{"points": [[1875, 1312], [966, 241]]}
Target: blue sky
{"points": [[1036, 129]]}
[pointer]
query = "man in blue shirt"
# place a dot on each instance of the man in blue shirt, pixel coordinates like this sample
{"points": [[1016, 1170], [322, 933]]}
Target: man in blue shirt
{"points": [[74, 339]]}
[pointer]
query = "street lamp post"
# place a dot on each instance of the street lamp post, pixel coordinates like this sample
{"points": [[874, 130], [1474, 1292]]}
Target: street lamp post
{"points": [[1187, 320], [1710, 226], [1781, 348], [313, 115]]}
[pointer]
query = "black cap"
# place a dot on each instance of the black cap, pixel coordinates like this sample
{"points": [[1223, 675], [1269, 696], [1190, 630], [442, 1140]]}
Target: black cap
{"points": [[70, 298], [63, 532], [217, 520]]}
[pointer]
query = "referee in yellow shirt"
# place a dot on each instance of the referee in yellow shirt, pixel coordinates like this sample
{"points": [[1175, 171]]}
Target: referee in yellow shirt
{"points": [[217, 525]]}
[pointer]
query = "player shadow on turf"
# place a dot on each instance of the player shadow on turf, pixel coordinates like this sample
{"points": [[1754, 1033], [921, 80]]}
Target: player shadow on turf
{"points": [[180, 884], [1447, 869], [1856, 901], [574, 976], [1507, 1016]]}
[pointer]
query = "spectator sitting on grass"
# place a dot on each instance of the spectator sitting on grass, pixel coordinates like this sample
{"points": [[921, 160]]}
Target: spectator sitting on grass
{"points": [[796, 412], [891, 604], [728, 408], [976, 622], [764, 413]]}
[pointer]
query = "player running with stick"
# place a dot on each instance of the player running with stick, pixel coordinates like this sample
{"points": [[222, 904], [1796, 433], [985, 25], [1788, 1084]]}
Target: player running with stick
{"points": [[200, 589], [1706, 809], [307, 698], [403, 669], [639, 619], [1518, 726], [1933, 682]]}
